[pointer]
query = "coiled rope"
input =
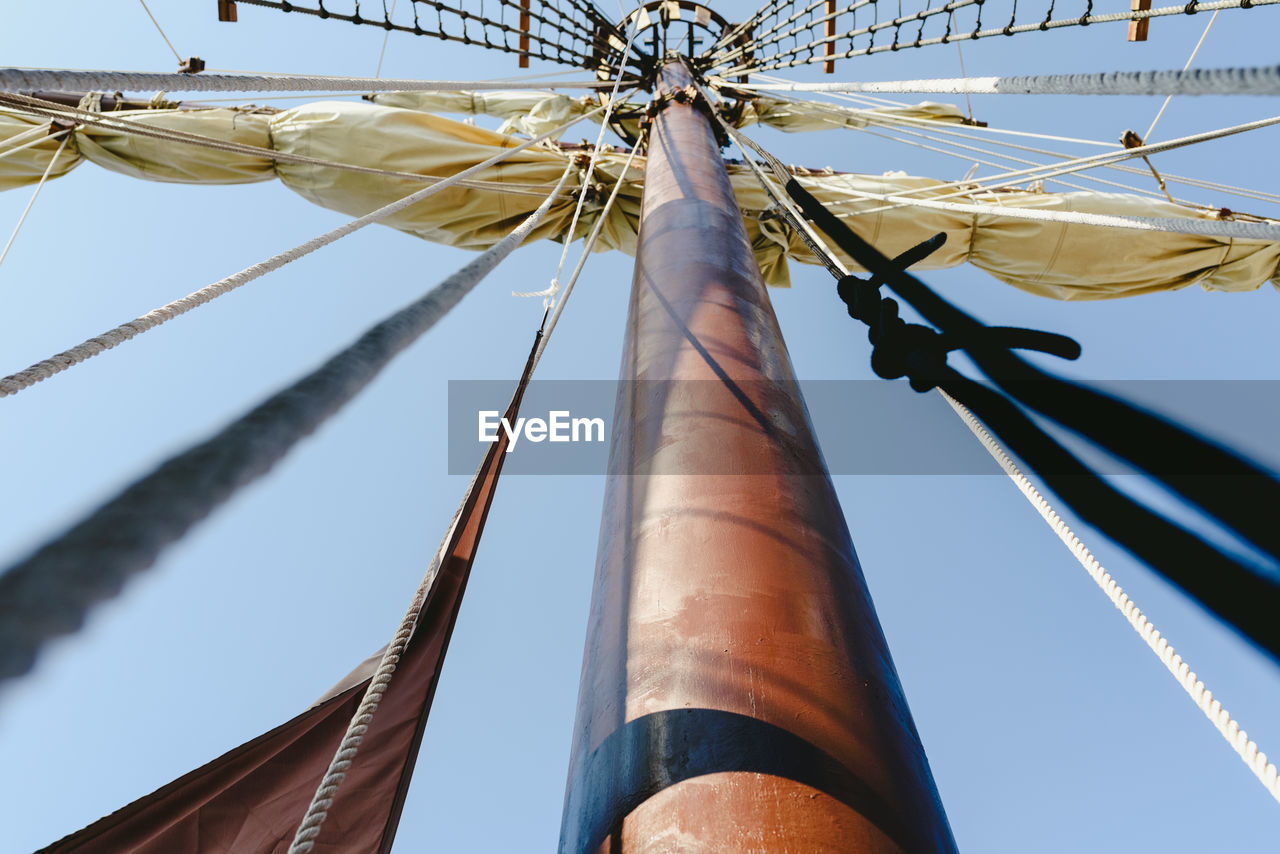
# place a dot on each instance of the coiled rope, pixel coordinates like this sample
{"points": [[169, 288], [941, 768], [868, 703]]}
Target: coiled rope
{"points": [[1239, 740], [49, 593], [42, 370]]}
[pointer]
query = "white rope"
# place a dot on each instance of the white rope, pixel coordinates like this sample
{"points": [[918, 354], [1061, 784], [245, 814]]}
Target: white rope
{"points": [[45, 177], [1239, 740], [50, 593], [28, 138], [48, 109], [1166, 224], [14, 383], [825, 256], [936, 129], [67, 80], [322, 800], [549, 295], [1218, 81], [1190, 60], [587, 245], [1090, 162], [160, 30]]}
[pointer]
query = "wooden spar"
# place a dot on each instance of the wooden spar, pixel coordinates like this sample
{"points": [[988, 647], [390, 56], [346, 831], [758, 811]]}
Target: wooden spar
{"points": [[1138, 29], [737, 693], [829, 48], [524, 33]]}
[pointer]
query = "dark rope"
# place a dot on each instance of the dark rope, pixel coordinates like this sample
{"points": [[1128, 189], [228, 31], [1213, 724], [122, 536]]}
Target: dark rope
{"points": [[1239, 494]]}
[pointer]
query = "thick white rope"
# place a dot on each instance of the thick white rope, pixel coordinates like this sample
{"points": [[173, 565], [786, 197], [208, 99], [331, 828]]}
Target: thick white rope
{"points": [[50, 592], [1217, 81], [322, 800], [55, 364], [66, 80], [39, 186], [1239, 740]]}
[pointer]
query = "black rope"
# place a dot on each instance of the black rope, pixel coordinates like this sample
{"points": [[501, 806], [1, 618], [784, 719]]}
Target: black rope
{"points": [[1239, 494]]}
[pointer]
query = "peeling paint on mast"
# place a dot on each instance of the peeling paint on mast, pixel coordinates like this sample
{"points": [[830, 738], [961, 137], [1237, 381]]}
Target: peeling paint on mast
{"points": [[737, 693]]}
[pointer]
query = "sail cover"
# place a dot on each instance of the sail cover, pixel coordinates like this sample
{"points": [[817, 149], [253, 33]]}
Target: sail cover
{"points": [[1068, 261]]}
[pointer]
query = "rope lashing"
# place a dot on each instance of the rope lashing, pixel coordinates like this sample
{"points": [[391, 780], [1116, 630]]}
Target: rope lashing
{"points": [[46, 368], [67, 80], [1204, 699], [49, 593], [901, 349], [1263, 80]]}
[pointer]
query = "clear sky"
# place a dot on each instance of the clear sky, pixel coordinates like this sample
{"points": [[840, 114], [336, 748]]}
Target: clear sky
{"points": [[1049, 726]]}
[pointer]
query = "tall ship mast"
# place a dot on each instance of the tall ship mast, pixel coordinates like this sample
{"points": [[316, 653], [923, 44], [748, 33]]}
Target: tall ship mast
{"points": [[706, 689]]}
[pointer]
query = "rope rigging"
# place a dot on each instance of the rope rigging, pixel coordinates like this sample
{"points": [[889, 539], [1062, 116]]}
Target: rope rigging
{"points": [[1260, 80], [1224, 486], [577, 35], [42, 370], [49, 593], [67, 80], [788, 35], [1204, 699], [573, 33]]}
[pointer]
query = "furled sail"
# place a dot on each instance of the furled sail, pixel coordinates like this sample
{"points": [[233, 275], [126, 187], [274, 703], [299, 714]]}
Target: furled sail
{"points": [[1062, 260]]}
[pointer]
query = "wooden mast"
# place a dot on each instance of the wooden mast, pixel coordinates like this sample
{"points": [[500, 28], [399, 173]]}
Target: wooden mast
{"points": [[737, 693]]}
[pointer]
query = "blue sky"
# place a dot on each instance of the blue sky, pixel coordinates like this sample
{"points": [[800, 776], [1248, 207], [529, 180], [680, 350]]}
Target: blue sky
{"points": [[1049, 726]]}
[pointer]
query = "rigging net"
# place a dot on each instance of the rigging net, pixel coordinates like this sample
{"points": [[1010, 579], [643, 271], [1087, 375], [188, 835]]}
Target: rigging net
{"points": [[569, 32], [793, 33]]}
